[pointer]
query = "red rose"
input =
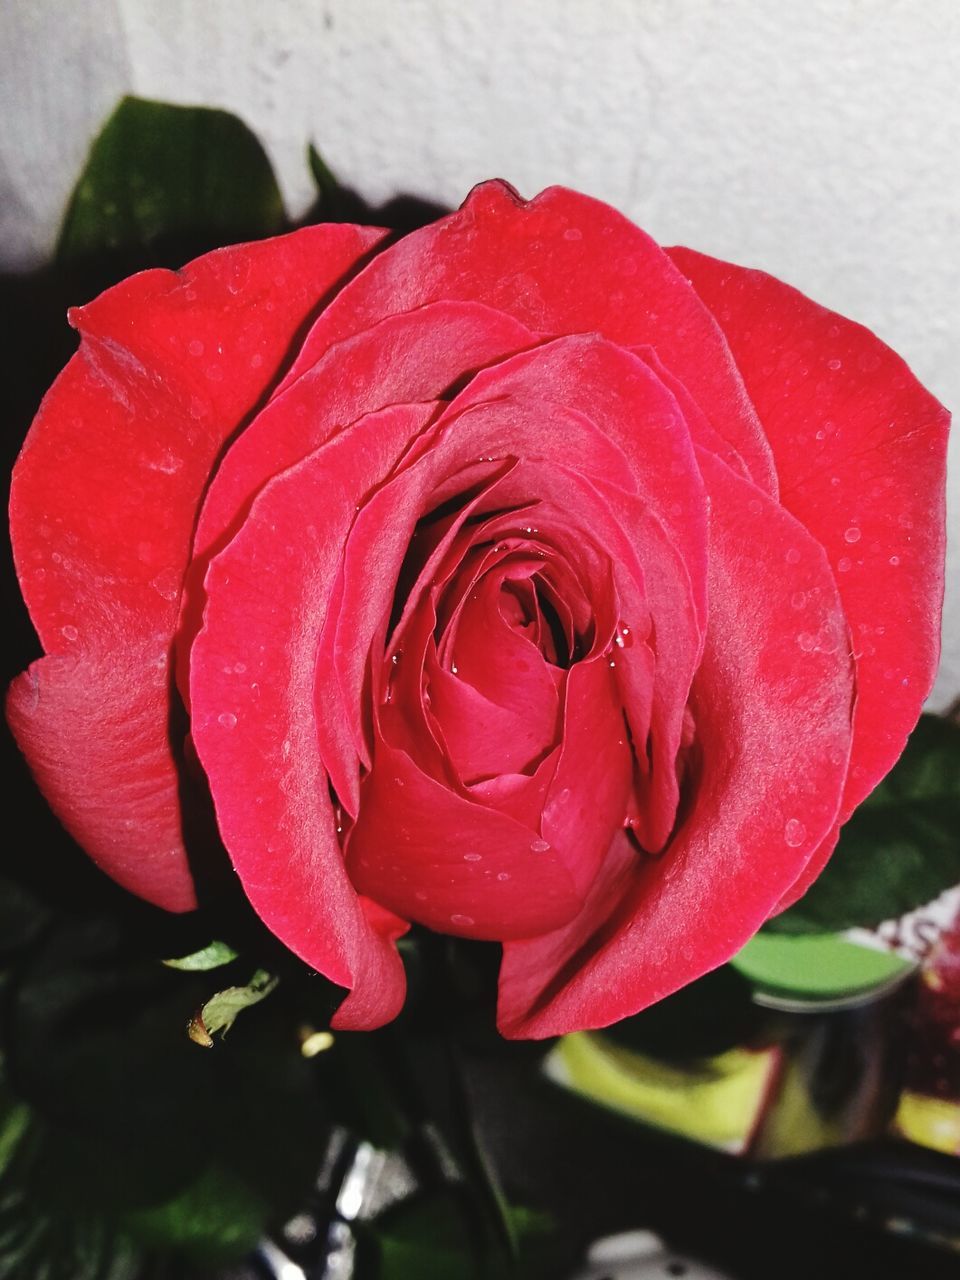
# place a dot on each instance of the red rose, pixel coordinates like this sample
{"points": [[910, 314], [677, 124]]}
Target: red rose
{"points": [[522, 579]]}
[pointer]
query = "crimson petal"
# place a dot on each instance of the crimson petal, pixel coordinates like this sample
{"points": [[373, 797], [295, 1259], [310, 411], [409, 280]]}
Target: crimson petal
{"points": [[860, 449], [560, 263], [255, 723], [773, 727], [103, 505]]}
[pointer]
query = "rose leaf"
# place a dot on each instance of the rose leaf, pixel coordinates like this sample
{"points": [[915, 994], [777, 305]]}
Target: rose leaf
{"points": [[899, 850], [160, 176]]}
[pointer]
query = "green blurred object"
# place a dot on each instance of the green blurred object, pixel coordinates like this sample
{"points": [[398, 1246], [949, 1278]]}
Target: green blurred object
{"points": [[816, 969]]}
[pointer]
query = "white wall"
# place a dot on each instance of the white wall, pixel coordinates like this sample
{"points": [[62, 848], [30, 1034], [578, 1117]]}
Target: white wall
{"points": [[814, 138]]}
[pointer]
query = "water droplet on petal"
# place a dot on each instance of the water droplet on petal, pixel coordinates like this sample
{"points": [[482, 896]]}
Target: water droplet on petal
{"points": [[539, 846], [460, 920], [68, 632], [503, 875], [894, 560], [195, 347], [844, 565], [793, 556], [472, 857], [852, 534], [227, 719], [834, 364], [794, 833]]}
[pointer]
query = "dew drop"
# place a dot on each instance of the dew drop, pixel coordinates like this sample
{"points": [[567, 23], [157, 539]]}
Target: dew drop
{"points": [[852, 534], [472, 857], [68, 632], [793, 556], [195, 347], [503, 875], [573, 233], [460, 920], [794, 833], [227, 719], [240, 668], [834, 364], [540, 846], [420, 896], [894, 560], [844, 565], [806, 641], [798, 599]]}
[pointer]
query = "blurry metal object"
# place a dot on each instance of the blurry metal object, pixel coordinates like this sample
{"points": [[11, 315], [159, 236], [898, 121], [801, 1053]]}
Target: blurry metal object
{"points": [[356, 1182]]}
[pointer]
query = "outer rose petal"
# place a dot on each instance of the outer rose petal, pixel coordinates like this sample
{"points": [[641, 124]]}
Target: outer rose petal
{"points": [[104, 500], [561, 263], [254, 722], [860, 449], [773, 724]]}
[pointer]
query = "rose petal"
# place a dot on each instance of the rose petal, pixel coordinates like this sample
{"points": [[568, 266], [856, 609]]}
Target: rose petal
{"points": [[406, 358], [587, 800], [561, 263], [454, 865], [254, 717], [860, 450], [773, 729], [103, 504], [629, 405]]}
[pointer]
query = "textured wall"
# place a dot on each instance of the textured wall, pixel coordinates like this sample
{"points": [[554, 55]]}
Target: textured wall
{"points": [[813, 138]]}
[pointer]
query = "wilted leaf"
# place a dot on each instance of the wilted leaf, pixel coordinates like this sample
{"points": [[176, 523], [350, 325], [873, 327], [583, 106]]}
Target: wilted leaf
{"points": [[211, 956], [221, 1010]]}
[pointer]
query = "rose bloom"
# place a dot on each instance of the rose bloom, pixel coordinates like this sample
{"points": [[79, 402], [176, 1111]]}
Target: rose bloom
{"points": [[520, 579]]}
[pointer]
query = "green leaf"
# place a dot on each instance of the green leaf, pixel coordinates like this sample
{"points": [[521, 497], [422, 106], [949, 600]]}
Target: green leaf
{"points": [[216, 1217], [212, 956], [899, 850], [426, 1239], [221, 1010], [134, 1142], [334, 203], [327, 185], [159, 175]]}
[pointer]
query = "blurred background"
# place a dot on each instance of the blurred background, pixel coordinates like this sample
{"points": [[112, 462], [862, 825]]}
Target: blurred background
{"points": [[813, 139]]}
